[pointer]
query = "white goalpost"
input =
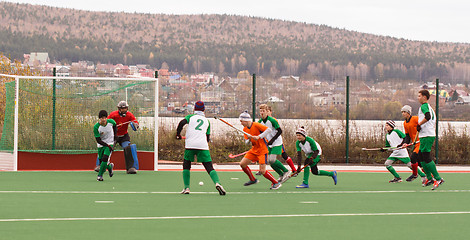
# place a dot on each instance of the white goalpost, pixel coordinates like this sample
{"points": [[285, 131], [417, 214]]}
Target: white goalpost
{"points": [[55, 115]]}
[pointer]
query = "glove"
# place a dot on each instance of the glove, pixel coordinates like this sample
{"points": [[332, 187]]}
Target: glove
{"points": [[418, 127], [308, 162], [382, 150], [110, 148], [178, 136]]}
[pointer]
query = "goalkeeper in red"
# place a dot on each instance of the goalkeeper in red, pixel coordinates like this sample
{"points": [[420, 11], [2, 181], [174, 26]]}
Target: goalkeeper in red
{"points": [[105, 132], [124, 119], [196, 145], [312, 152]]}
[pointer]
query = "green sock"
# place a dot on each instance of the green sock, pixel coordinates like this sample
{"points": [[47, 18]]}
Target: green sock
{"points": [[214, 177], [325, 173], [280, 166], [102, 168], [393, 172], [306, 175], [186, 177], [432, 168], [426, 170], [421, 174], [276, 168]]}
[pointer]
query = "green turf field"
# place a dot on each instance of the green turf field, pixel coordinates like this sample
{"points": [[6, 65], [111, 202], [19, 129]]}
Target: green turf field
{"points": [[73, 205]]}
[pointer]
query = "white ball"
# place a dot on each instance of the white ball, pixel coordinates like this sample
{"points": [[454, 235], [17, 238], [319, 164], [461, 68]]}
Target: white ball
{"points": [[201, 183]]}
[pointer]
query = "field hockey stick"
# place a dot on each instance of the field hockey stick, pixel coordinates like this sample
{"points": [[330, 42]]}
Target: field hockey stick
{"points": [[239, 130], [297, 171], [375, 149], [109, 158], [236, 155], [120, 124], [407, 145]]}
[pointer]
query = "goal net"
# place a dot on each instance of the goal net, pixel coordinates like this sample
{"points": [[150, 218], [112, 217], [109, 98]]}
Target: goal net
{"points": [[56, 115]]}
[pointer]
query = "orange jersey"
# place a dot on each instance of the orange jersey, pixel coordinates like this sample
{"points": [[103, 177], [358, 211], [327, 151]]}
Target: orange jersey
{"points": [[410, 129], [260, 146]]}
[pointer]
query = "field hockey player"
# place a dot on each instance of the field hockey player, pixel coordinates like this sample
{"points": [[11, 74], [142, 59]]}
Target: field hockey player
{"points": [[104, 131], [196, 145], [312, 152], [255, 134]]}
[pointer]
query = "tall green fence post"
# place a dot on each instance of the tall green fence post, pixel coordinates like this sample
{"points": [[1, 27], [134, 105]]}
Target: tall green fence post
{"points": [[254, 97], [347, 119], [437, 120], [54, 73]]}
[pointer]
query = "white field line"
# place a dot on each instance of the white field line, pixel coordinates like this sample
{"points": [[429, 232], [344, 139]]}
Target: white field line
{"points": [[234, 216], [270, 192]]}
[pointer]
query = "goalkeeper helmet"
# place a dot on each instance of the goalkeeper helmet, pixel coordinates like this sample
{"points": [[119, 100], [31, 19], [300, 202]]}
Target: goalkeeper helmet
{"points": [[122, 108]]}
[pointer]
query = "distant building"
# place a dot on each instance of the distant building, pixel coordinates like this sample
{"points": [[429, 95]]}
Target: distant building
{"points": [[36, 58]]}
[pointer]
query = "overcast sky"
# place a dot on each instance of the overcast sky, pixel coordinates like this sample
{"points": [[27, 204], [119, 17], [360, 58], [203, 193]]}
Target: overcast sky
{"points": [[428, 20]]}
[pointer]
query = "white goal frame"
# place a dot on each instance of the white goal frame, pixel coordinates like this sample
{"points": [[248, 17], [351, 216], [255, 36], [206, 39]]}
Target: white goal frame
{"points": [[18, 77]]}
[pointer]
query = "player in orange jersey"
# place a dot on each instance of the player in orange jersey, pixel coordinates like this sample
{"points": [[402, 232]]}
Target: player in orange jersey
{"points": [[259, 150], [409, 125]]}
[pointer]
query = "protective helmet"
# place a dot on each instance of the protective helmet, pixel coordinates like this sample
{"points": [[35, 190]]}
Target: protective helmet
{"points": [[122, 104]]}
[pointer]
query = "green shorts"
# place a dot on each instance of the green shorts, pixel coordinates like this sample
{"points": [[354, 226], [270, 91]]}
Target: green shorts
{"points": [[276, 150], [103, 151], [202, 155], [405, 160], [425, 144]]}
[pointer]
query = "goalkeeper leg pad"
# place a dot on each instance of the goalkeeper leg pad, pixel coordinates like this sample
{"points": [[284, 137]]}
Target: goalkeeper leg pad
{"points": [[97, 166], [129, 160], [134, 155]]}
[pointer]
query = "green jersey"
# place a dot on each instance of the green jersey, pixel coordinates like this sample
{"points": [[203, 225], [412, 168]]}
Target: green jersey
{"points": [[106, 132], [308, 147], [272, 124], [196, 132]]}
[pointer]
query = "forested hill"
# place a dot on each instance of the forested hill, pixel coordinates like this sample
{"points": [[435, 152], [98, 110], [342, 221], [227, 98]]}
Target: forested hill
{"points": [[223, 44]]}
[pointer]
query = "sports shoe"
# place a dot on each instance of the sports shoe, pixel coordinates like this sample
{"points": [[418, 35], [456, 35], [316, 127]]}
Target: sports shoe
{"points": [[335, 177], [97, 168], [185, 191], [428, 182], [411, 178], [251, 182], [258, 173], [220, 189], [285, 176], [303, 185], [395, 180], [423, 180], [111, 172], [437, 184], [99, 179], [275, 186]]}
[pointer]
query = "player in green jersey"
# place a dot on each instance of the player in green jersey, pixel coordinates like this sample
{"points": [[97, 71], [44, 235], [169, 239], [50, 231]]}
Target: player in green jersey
{"points": [[275, 145], [196, 144], [105, 133], [427, 134], [312, 152]]}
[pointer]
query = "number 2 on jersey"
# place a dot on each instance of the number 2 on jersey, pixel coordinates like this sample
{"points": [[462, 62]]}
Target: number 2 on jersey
{"points": [[200, 121]]}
